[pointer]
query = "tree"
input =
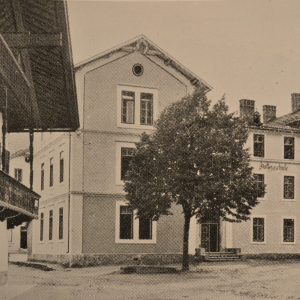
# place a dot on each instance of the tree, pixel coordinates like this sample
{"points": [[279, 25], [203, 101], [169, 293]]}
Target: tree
{"points": [[195, 158]]}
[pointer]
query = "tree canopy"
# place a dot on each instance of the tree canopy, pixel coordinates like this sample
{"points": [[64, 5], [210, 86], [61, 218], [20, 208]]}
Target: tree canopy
{"points": [[195, 158]]}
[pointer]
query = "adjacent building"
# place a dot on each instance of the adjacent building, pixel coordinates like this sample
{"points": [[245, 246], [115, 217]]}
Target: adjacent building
{"points": [[274, 226], [83, 216], [19, 169]]}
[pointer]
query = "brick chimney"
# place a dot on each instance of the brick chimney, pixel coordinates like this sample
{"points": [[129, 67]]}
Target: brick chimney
{"points": [[269, 113], [246, 107], [295, 102]]}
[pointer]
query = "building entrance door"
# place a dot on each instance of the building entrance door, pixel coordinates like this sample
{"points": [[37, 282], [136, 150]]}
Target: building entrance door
{"points": [[210, 237], [23, 241]]}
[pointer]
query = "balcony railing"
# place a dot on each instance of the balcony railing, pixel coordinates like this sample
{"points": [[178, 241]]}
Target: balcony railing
{"points": [[18, 195]]}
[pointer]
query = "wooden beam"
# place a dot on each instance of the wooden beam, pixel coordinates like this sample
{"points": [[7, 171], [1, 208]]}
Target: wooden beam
{"points": [[12, 76], [25, 40]]}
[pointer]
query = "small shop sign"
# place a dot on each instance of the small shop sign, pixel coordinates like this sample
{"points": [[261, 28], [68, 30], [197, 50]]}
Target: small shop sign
{"points": [[273, 167]]}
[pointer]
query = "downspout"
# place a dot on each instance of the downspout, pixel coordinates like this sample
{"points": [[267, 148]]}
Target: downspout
{"points": [[69, 200], [4, 131]]}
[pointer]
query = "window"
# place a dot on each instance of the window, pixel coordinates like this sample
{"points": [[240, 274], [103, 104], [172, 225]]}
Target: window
{"points": [[146, 109], [259, 145], [288, 230], [258, 235], [260, 182], [289, 147], [50, 225], [18, 174], [136, 106], [128, 99], [9, 235], [61, 166], [61, 223], [126, 155], [42, 177], [145, 229], [126, 223], [130, 229], [289, 184], [42, 227], [51, 172]]}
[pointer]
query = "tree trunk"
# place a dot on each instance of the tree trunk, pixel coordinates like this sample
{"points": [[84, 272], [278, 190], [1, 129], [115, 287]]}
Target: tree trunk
{"points": [[185, 255]]}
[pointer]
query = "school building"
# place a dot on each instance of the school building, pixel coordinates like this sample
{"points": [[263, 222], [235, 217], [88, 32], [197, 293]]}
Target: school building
{"points": [[83, 217]]}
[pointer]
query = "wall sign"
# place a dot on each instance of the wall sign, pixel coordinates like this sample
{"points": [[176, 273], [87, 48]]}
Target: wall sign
{"points": [[273, 167]]}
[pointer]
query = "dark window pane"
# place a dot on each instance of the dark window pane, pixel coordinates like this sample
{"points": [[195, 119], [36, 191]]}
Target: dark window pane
{"points": [[128, 99], [145, 229], [258, 230], [126, 223], [42, 176], [50, 224], [61, 168], [51, 172], [260, 182], [126, 156], [259, 145], [288, 230], [18, 174], [146, 109], [61, 223], [288, 187], [42, 227], [289, 147]]}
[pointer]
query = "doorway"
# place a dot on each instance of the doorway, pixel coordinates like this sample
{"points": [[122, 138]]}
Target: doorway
{"points": [[210, 237], [23, 241]]}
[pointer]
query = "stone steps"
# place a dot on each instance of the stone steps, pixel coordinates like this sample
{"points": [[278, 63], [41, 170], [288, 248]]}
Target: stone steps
{"points": [[221, 256]]}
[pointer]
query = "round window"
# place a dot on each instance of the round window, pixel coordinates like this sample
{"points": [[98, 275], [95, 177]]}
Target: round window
{"points": [[137, 69]]}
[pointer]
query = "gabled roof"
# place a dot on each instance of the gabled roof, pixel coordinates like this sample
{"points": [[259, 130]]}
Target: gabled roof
{"points": [[146, 47], [37, 67]]}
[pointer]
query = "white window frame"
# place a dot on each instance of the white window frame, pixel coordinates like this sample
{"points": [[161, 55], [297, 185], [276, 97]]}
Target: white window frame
{"points": [[120, 145], [260, 172], [135, 239], [265, 225], [137, 106], [295, 230], [295, 190]]}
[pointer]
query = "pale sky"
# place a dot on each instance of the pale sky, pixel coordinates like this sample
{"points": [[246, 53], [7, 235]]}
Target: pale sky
{"points": [[245, 49]]}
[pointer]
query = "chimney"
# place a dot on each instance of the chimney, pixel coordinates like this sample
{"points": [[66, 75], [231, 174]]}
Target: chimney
{"points": [[246, 107], [269, 113], [295, 102]]}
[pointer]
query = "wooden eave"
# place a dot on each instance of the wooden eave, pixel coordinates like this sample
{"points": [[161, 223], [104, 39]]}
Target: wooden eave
{"points": [[37, 35]]}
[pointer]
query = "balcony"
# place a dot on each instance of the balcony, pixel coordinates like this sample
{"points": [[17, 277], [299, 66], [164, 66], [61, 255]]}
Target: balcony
{"points": [[18, 203]]}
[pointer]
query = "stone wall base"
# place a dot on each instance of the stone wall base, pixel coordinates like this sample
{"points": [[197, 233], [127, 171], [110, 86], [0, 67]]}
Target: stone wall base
{"points": [[84, 260], [272, 256], [3, 277]]}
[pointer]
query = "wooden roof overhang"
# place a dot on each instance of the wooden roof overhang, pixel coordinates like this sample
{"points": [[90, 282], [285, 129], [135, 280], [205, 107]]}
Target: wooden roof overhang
{"points": [[36, 66]]}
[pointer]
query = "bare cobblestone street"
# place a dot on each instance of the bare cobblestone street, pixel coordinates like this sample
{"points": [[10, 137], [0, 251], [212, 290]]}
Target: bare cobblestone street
{"points": [[254, 279]]}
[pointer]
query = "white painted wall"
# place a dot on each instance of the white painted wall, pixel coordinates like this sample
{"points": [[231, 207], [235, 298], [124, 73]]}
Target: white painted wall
{"points": [[3, 252]]}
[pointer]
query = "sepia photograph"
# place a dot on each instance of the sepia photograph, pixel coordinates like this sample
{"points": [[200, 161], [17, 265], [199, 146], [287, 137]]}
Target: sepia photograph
{"points": [[149, 149]]}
